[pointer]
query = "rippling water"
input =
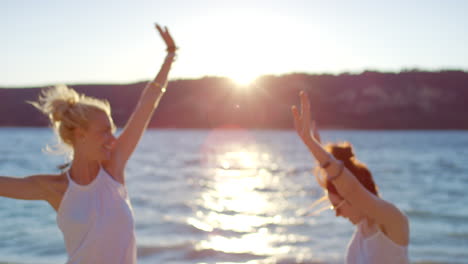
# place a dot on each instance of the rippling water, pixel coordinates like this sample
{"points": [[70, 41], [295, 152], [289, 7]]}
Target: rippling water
{"points": [[221, 196]]}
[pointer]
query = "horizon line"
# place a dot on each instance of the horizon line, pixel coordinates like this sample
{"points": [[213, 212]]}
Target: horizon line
{"points": [[357, 72]]}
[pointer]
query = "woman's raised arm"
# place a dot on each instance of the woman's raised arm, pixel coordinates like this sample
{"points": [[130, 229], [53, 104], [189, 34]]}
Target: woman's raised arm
{"points": [[346, 184], [149, 99]]}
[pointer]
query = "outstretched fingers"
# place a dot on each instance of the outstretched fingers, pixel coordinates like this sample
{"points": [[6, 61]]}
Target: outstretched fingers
{"points": [[305, 109], [166, 36], [315, 131], [297, 119], [305, 113], [158, 27], [169, 40]]}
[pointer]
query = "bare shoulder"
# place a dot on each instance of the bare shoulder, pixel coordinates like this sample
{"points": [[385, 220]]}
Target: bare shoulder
{"points": [[51, 183], [54, 186], [393, 213], [396, 224]]}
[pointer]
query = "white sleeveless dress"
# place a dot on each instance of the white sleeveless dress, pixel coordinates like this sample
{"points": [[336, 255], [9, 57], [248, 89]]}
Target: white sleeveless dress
{"points": [[97, 222], [375, 249]]}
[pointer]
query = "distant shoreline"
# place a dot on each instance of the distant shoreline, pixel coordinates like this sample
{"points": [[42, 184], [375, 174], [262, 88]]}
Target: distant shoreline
{"points": [[408, 100], [263, 129]]}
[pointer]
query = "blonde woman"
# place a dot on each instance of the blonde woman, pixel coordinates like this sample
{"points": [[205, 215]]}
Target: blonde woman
{"points": [[382, 230], [93, 209]]}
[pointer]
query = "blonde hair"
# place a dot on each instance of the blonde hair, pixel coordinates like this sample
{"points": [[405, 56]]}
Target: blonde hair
{"points": [[68, 110]]}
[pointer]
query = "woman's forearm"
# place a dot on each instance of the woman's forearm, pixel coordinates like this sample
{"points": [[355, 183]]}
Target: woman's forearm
{"points": [[161, 77], [343, 180], [155, 89], [317, 151]]}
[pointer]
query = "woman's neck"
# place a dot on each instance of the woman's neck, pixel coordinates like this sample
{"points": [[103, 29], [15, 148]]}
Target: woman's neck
{"points": [[83, 171], [368, 227]]}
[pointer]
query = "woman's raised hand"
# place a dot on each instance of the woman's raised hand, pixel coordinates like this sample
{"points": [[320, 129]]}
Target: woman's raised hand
{"points": [[166, 36], [315, 131], [302, 120]]}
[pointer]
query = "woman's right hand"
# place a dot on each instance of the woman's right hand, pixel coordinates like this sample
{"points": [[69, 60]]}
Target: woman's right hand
{"points": [[166, 36]]}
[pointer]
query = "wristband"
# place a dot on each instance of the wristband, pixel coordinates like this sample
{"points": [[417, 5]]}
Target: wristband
{"points": [[340, 171], [158, 85], [170, 56], [327, 163], [172, 49]]}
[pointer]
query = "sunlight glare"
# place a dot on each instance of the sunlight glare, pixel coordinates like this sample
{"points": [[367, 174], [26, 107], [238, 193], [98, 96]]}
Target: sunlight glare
{"points": [[243, 79], [238, 208], [255, 242], [245, 49]]}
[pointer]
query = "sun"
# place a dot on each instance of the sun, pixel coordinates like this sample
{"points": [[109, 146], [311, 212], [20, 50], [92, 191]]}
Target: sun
{"points": [[243, 79]]}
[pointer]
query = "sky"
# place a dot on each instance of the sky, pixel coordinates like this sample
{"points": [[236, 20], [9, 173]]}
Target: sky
{"points": [[102, 41]]}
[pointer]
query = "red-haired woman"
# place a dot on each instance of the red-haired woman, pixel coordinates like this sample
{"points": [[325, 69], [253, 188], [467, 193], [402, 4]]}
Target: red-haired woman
{"points": [[382, 230]]}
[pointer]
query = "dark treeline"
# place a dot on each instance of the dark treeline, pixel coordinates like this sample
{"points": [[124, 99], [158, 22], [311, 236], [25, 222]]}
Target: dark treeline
{"points": [[370, 100]]}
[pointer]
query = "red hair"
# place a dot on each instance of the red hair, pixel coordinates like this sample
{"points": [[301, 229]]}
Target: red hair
{"points": [[344, 153]]}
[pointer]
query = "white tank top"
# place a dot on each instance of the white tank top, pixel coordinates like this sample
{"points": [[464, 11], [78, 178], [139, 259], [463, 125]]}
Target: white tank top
{"points": [[97, 222], [377, 248]]}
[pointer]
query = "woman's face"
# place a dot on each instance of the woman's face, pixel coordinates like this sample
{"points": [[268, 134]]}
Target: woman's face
{"points": [[344, 209], [98, 140]]}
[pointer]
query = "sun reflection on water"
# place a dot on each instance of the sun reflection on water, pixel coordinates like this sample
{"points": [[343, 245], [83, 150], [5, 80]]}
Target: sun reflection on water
{"points": [[238, 213], [258, 243]]}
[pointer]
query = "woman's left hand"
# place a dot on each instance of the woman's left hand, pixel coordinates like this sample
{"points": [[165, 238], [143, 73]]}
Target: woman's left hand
{"points": [[166, 36], [315, 131], [302, 121]]}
